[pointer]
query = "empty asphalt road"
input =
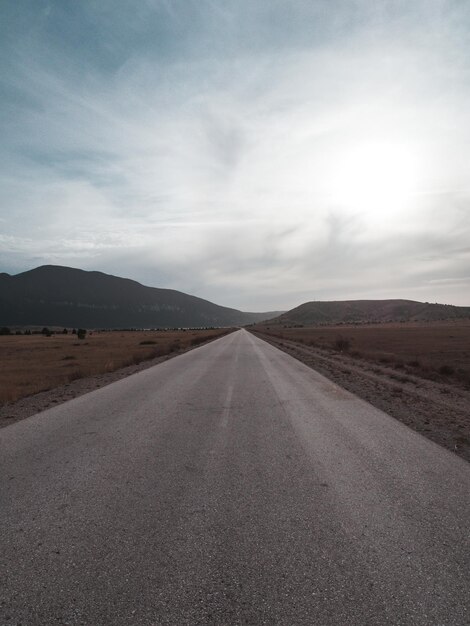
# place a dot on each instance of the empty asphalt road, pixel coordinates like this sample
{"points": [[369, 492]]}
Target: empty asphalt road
{"points": [[229, 485]]}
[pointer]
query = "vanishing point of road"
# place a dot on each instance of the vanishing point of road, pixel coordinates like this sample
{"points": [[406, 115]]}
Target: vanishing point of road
{"points": [[229, 485]]}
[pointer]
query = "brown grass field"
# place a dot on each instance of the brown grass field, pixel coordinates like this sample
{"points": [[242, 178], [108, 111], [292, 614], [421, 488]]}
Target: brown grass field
{"points": [[33, 363], [435, 350]]}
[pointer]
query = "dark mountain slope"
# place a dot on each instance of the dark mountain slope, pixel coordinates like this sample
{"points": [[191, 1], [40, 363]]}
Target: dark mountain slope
{"points": [[61, 296], [368, 311]]}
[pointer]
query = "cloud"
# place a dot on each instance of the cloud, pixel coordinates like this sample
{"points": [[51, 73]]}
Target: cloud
{"points": [[257, 154]]}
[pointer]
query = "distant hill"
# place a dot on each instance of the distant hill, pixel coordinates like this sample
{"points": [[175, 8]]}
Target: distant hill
{"points": [[369, 311], [62, 296]]}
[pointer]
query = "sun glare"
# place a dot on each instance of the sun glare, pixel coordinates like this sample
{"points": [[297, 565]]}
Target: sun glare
{"points": [[374, 177]]}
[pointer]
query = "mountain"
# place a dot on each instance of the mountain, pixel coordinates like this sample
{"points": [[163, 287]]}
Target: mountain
{"points": [[368, 311], [62, 296]]}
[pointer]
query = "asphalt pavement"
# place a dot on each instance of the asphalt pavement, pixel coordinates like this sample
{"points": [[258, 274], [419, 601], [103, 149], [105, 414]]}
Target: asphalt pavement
{"points": [[230, 485]]}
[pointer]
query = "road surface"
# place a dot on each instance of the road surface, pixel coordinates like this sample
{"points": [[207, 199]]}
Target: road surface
{"points": [[229, 485]]}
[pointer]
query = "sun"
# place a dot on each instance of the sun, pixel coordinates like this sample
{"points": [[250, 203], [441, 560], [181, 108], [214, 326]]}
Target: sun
{"points": [[374, 177]]}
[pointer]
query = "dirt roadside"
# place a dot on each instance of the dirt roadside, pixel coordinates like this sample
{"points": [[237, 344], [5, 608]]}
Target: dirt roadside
{"points": [[30, 405], [439, 411]]}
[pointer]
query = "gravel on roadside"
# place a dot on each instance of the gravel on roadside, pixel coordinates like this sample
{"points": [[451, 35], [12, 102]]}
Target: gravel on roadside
{"points": [[439, 411], [30, 405]]}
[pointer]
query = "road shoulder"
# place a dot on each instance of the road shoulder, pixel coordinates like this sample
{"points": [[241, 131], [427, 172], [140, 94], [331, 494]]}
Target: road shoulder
{"points": [[437, 411]]}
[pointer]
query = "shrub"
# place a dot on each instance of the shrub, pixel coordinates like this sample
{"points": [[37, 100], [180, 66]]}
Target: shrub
{"points": [[197, 340], [81, 333], [75, 375], [446, 370], [342, 344], [5, 331]]}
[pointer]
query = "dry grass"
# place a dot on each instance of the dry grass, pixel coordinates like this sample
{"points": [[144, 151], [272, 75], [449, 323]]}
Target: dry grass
{"points": [[29, 364], [436, 350]]}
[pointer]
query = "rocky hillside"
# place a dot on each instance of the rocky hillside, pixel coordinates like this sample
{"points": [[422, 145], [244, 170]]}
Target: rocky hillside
{"points": [[369, 311], [62, 296]]}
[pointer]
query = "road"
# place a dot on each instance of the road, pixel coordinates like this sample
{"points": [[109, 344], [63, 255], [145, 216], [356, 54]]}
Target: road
{"points": [[229, 485]]}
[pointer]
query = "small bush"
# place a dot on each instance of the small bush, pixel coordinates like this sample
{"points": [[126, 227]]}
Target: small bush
{"points": [[197, 340], [446, 370], [342, 344], [75, 375], [148, 342]]}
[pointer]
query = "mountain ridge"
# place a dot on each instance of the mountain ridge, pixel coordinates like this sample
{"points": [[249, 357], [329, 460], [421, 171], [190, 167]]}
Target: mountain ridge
{"points": [[368, 311], [57, 295]]}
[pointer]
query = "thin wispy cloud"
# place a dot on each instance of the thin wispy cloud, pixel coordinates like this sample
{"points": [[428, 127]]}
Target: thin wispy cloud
{"points": [[258, 154]]}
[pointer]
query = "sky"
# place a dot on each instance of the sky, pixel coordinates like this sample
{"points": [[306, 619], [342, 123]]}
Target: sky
{"points": [[256, 153]]}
